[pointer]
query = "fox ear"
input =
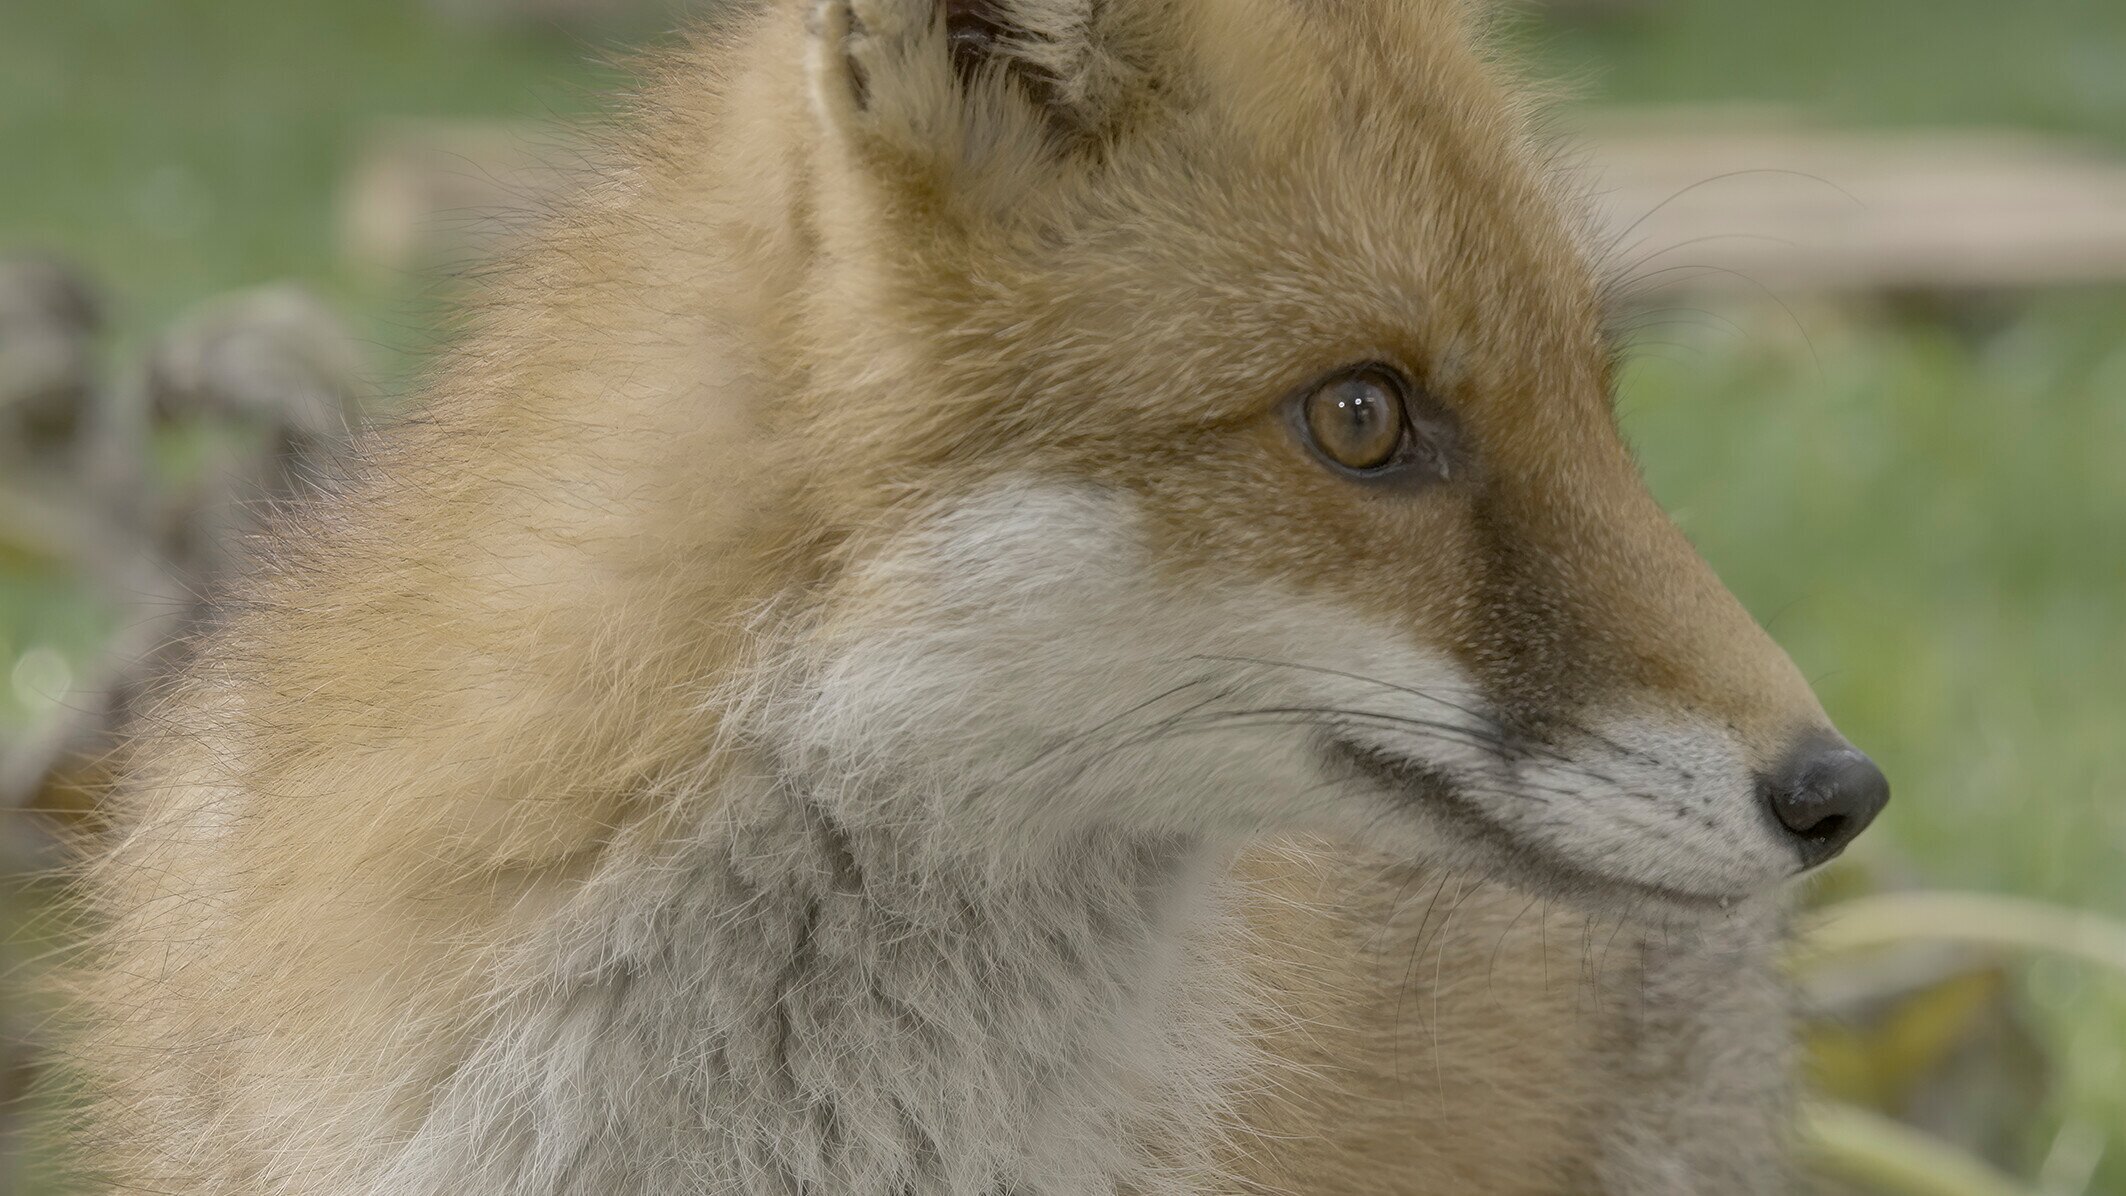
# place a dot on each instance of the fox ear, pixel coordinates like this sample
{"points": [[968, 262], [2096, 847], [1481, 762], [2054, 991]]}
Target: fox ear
{"points": [[957, 80]]}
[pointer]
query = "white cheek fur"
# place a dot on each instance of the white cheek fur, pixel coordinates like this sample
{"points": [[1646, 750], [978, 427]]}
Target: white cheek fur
{"points": [[1662, 799], [1020, 670]]}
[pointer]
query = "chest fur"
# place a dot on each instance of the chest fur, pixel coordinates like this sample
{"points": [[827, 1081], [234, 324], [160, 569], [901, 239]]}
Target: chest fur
{"points": [[796, 1008]]}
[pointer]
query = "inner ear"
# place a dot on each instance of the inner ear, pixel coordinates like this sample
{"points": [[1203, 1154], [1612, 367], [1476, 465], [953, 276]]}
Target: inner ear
{"points": [[974, 27], [983, 93], [988, 34]]}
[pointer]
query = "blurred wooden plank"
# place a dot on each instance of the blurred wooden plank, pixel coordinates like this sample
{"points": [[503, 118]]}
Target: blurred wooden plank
{"points": [[1745, 201], [1721, 199]]}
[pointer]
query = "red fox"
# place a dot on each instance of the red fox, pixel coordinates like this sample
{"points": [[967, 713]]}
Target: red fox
{"points": [[938, 638]]}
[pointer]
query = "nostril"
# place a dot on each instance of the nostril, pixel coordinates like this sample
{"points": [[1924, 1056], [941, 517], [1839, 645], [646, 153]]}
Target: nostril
{"points": [[1828, 829], [1826, 795]]}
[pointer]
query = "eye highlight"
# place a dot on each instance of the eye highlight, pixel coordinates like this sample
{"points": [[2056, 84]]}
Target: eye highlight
{"points": [[1357, 419]]}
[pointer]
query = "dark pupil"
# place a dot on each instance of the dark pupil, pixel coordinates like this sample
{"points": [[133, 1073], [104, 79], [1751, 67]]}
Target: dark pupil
{"points": [[1357, 423], [1363, 414]]}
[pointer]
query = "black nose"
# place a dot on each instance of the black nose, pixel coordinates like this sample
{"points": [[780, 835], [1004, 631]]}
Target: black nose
{"points": [[1827, 793]]}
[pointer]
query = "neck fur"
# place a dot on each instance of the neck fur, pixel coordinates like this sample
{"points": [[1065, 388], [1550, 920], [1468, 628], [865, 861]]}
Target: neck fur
{"points": [[790, 1005]]}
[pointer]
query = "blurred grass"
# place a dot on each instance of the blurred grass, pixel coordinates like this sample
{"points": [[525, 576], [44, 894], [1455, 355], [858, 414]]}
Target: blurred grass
{"points": [[182, 148], [1936, 530], [1932, 521], [2054, 65]]}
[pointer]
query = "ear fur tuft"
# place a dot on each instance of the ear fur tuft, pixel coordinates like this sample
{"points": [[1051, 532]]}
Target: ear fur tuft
{"points": [[1056, 55]]}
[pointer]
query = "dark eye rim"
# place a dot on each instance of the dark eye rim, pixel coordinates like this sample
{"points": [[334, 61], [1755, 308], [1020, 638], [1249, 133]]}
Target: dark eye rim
{"points": [[1425, 456]]}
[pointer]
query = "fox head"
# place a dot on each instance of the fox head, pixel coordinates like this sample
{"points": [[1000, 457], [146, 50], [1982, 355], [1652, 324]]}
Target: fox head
{"points": [[1210, 406]]}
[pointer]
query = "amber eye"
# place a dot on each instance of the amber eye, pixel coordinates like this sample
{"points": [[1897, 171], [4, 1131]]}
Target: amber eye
{"points": [[1357, 419]]}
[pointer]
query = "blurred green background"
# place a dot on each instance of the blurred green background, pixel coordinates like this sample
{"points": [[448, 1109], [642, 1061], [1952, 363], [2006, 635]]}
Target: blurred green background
{"points": [[1929, 511]]}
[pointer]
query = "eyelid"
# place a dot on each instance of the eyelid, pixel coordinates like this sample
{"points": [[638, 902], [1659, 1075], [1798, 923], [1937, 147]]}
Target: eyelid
{"points": [[1430, 452]]}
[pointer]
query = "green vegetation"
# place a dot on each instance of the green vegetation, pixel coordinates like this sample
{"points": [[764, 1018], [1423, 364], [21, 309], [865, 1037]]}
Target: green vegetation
{"points": [[181, 149], [1936, 530], [1932, 520]]}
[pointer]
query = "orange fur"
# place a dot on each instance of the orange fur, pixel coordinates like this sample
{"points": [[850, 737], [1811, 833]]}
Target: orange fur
{"points": [[506, 656]]}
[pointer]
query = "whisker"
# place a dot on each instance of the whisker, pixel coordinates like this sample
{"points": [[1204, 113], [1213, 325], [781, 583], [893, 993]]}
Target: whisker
{"points": [[1723, 176], [1070, 740], [1622, 290], [1522, 744]]}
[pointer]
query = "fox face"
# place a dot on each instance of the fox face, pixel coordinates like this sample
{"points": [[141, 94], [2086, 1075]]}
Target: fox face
{"points": [[1211, 408]]}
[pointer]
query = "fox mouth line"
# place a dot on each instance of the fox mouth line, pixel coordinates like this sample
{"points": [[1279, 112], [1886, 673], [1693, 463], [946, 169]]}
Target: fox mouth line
{"points": [[1416, 781]]}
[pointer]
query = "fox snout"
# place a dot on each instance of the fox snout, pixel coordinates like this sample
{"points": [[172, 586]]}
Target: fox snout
{"points": [[1603, 637]]}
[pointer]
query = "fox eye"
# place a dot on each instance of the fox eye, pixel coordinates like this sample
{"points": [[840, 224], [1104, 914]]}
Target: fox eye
{"points": [[1357, 419]]}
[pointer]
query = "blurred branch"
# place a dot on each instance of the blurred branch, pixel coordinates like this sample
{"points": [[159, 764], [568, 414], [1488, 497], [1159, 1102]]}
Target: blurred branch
{"points": [[47, 533], [1988, 920], [1870, 1149]]}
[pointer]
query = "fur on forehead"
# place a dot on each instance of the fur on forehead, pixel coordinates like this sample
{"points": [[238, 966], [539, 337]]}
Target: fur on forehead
{"points": [[1038, 262]]}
